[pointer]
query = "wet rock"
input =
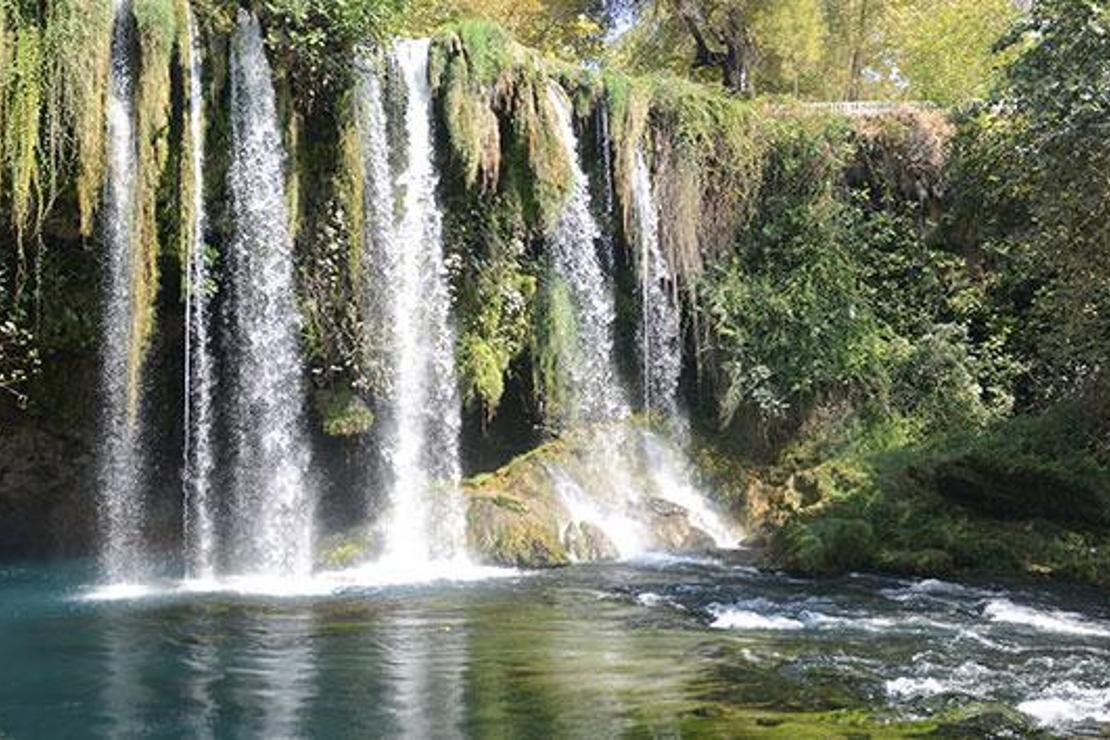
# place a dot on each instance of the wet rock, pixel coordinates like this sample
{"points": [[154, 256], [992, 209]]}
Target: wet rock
{"points": [[47, 492], [514, 535], [674, 533], [663, 508], [989, 721], [519, 516], [587, 543], [350, 548]]}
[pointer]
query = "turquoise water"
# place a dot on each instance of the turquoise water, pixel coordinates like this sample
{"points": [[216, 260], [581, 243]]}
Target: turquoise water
{"points": [[659, 647]]}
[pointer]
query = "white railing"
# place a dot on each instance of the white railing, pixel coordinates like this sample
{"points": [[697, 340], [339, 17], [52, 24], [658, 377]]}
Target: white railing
{"points": [[868, 107]]}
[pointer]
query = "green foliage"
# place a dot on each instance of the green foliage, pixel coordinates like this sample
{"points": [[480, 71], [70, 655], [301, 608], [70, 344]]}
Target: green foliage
{"points": [[333, 326], [554, 338], [1040, 159], [1027, 496], [827, 546], [19, 360], [789, 310], [314, 41], [945, 49], [938, 50], [501, 130], [496, 304], [342, 412], [561, 27]]}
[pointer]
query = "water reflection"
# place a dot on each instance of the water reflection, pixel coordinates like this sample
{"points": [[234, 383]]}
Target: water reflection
{"points": [[274, 672], [426, 658], [202, 663], [648, 649], [123, 692]]}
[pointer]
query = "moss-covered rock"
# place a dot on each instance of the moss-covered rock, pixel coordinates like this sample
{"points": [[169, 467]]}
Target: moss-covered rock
{"points": [[547, 507], [348, 548], [342, 412]]}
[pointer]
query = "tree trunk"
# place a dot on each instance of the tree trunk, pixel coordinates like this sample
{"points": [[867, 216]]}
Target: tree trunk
{"points": [[856, 69], [737, 58]]}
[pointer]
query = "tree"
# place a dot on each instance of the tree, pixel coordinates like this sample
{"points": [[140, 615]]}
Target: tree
{"points": [[943, 49], [748, 43], [562, 27]]}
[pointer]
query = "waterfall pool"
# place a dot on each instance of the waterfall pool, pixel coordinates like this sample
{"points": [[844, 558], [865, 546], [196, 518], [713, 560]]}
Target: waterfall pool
{"points": [[659, 646]]}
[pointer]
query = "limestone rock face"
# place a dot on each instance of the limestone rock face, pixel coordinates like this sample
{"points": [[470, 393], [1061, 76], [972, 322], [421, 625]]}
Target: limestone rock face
{"points": [[522, 515], [587, 543]]}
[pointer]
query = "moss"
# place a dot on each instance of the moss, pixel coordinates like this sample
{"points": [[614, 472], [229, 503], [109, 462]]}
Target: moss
{"points": [[22, 127], [186, 193], [79, 34], [467, 64], [493, 98], [711, 150], [156, 24], [513, 515], [352, 191], [627, 102], [342, 412], [555, 338], [494, 299], [348, 548], [514, 540]]}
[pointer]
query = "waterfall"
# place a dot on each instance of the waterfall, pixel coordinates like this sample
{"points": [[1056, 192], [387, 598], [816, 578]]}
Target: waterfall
{"points": [[200, 527], [626, 467], [420, 434], [272, 499], [119, 479], [590, 368], [660, 325]]}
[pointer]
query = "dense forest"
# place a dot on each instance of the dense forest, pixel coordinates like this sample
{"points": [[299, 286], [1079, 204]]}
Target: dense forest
{"points": [[883, 222]]}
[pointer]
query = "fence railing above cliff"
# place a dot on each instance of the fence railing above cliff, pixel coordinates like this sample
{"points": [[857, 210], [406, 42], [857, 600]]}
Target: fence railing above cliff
{"points": [[864, 107]]}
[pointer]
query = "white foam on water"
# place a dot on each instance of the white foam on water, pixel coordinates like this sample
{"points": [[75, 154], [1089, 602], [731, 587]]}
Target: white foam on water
{"points": [[1069, 703], [384, 574], [728, 618], [931, 587], [120, 592], [399, 573], [914, 688], [1055, 621], [970, 678]]}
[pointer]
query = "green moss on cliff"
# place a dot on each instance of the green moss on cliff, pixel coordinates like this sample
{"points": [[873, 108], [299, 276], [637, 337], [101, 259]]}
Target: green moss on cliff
{"points": [[501, 131], [1028, 497]]}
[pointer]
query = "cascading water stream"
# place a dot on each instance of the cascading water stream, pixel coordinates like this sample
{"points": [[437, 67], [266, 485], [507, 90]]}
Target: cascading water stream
{"points": [[421, 434], [273, 501], [200, 525], [660, 336], [120, 505], [660, 324], [627, 466], [590, 369]]}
